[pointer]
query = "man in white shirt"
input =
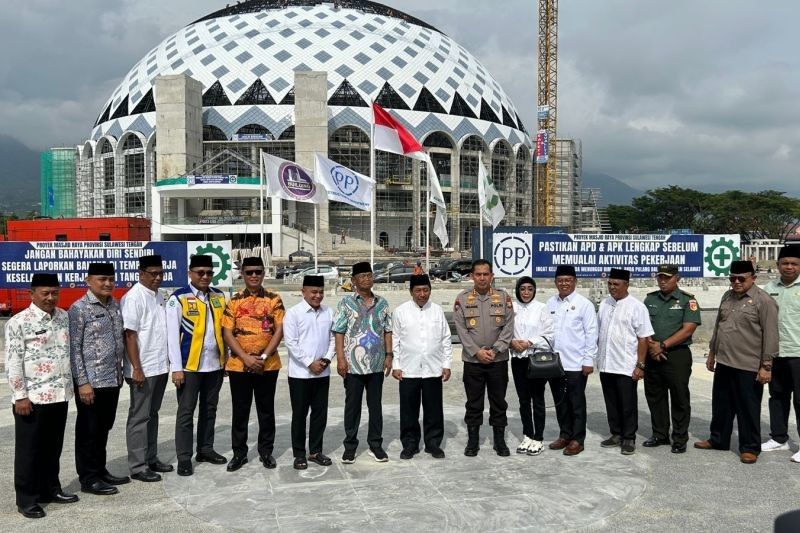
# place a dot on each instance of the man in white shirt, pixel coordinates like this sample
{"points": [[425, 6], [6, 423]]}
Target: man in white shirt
{"points": [[422, 356], [308, 338], [624, 330], [40, 379], [196, 356], [146, 367], [575, 324]]}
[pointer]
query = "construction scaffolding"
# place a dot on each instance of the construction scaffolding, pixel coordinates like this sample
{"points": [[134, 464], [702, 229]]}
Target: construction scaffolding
{"points": [[57, 183]]}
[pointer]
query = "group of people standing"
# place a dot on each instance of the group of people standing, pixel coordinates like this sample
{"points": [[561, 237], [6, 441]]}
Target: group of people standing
{"points": [[195, 337]]}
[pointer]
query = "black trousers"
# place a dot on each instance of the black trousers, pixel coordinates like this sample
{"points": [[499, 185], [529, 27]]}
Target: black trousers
{"points": [[202, 386], [428, 393], [354, 386], [486, 380], [92, 426], [38, 441], [784, 391], [573, 412], [736, 393], [308, 394], [665, 383], [622, 404], [244, 387], [531, 392]]}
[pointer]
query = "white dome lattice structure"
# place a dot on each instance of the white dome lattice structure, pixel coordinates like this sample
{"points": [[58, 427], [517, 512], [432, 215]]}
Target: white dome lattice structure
{"points": [[245, 57]]}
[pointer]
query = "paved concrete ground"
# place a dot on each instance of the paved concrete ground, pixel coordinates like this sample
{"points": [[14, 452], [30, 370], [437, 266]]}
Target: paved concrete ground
{"points": [[597, 490]]}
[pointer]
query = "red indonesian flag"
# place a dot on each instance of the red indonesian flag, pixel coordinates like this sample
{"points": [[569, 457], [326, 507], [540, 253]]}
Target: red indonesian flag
{"points": [[391, 136]]}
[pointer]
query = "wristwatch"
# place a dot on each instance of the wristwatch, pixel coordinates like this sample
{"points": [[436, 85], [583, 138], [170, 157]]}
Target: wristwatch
{"points": [[640, 365], [390, 354], [767, 367]]}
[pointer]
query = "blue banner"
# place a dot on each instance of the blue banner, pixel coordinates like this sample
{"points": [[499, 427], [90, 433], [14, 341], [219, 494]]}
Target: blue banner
{"points": [[593, 255], [70, 261]]}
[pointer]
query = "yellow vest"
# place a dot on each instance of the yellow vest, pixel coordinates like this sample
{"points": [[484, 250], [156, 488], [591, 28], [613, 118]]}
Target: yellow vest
{"points": [[193, 325]]}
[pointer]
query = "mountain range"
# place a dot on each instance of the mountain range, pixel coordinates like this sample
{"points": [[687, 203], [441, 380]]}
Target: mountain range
{"points": [[612, 190], [19, 177]]}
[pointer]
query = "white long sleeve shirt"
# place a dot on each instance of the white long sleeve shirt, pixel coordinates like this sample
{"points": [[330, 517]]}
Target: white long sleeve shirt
{"points": [[575, 324], [532, 323], [307, 336], [622, 323], [421, 340]]}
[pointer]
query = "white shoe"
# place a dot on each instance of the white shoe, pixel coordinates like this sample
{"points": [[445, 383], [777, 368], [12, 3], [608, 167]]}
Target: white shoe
{"points": [[772, 445], [536, 447], [795, 458], [524, 445]]}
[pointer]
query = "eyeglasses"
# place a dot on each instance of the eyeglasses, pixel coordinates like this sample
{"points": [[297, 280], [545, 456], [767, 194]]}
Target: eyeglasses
{"points": [[364, 275], [738, 279], [154, 274], [204, 273], [253, 272]]}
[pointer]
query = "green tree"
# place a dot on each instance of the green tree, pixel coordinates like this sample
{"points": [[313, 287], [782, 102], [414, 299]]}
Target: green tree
{"points": [[623, 218]]}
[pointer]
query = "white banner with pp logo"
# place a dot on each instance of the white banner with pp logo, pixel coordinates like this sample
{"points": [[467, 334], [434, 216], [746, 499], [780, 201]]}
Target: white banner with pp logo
{"points": [[512, 255]]}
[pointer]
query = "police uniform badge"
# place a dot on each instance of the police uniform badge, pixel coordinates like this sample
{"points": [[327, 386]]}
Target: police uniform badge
{"points": [[693, 305], [473, 322]]}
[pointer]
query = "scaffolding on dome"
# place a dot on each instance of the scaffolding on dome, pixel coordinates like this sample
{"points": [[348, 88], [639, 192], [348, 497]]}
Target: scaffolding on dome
{"points": [[57, 183]]}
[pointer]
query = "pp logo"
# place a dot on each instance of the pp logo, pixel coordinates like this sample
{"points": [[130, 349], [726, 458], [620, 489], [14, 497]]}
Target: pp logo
{"points": [[296, 182], [512, 254], [345, 180]]}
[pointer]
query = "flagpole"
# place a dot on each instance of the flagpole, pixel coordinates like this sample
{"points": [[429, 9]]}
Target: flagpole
{"points": [[428, 222], [261, 199], [316, 216], [480, 207], [373, 174]]}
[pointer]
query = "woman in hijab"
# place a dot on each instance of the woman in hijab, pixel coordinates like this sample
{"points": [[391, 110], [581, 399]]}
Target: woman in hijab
{"points": [[533, 329]]}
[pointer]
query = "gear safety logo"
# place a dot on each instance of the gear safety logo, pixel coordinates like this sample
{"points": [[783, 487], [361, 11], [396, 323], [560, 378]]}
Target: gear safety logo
{"points": [[720, 254], [220, 260]]}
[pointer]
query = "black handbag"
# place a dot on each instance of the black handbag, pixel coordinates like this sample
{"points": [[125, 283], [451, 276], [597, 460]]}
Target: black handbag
{"points": [[545, 364]]}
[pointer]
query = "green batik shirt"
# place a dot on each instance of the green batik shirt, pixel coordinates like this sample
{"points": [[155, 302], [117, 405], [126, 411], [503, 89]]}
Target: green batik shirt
{"points": [[363, 328], [788, 298], [669, 312]]}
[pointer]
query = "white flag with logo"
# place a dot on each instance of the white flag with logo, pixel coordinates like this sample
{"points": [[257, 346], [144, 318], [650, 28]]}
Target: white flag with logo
{"points": [[288, 180], [344, 185], [437, 198], [491, 207]]}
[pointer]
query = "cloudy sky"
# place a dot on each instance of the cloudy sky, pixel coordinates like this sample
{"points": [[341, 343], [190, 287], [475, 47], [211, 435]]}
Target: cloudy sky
{"points": [[699, 94]]}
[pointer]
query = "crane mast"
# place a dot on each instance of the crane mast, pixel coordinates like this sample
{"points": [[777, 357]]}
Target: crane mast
{"points": [[547, 106]]}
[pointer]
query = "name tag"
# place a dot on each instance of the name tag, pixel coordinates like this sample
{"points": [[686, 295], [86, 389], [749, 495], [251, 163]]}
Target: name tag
{"points": [[40, 332]]}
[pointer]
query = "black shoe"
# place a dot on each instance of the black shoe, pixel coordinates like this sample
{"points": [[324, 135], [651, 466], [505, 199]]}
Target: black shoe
{"points": [[628, 447], [378, 454], [407, 453], [500, 442], [269, 462], [60, 497], [236, 463], [100, 488], [158, 466], [185, 468], [349, 457], [300, 463], [114, 480], [32, 511], [654, 442], [210, 457], [611, 442], [473, 436], [321, 460], [146, 475], [678, 448], [436, 453]]}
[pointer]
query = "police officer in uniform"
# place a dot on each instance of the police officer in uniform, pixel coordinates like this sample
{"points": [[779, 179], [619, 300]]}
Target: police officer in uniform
{"points": [[484, 319], [675, 315]]}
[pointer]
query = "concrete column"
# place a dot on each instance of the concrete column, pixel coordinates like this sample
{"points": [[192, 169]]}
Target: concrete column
{"points": [[311, 128], [179, 123]]}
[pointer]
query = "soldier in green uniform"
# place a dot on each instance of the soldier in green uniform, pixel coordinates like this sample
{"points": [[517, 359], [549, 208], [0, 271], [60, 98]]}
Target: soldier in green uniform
{"points": [[675, 315]]}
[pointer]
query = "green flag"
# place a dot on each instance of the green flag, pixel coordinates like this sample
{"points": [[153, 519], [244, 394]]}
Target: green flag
{"points": [[492, 208]]}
